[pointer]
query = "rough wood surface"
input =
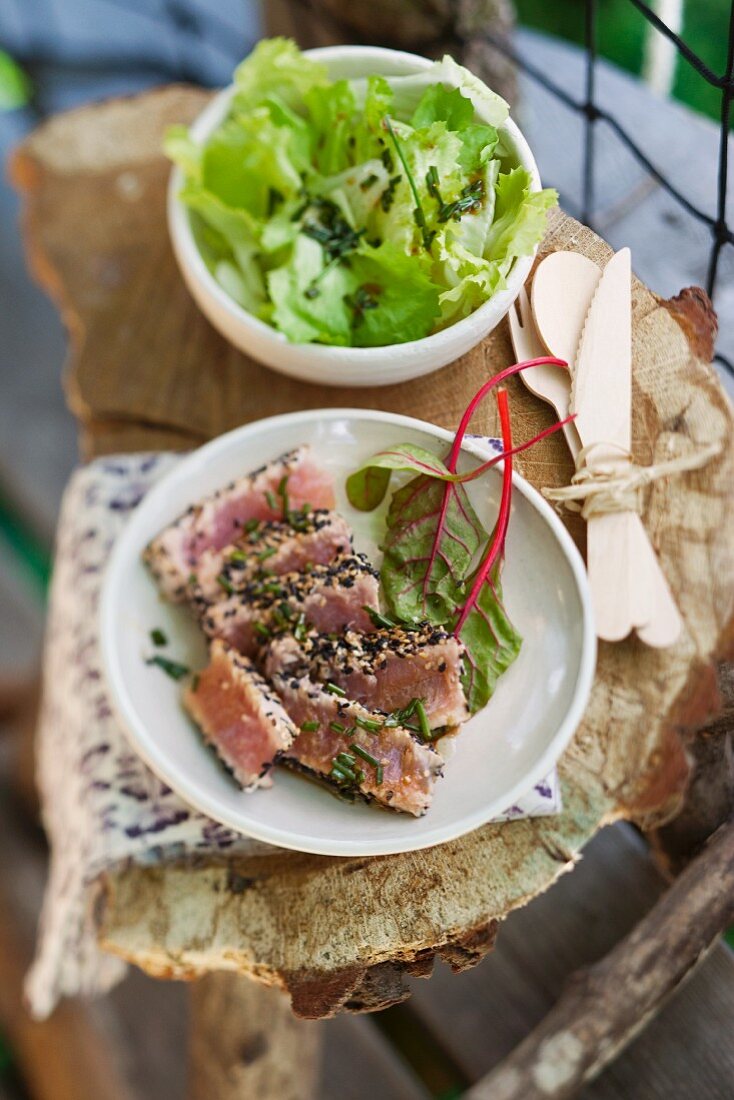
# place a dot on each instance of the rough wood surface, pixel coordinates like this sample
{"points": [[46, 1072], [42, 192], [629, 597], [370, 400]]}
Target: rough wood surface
{"points": [[604, 1007], [245, 1042], [144, 357]]}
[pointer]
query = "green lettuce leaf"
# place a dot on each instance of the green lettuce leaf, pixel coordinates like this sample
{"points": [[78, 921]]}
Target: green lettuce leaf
{"points": [[520, 217], [303, 318], [441, 104], [331, 112], [374, 100], [276, 67], [392, 298], [248, 158], [409, 90], [180, 147]]}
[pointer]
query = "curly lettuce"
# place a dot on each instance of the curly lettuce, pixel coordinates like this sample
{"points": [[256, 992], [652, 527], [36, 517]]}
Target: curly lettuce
{"points": [[362, 212]]}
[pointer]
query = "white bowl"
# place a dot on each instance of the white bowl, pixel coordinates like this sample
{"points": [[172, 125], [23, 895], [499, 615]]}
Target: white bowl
{"points": [[338, 366], [500, 753]]}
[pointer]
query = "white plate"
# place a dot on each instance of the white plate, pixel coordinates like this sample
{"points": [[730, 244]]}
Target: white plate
{"points": [[500, 753]]}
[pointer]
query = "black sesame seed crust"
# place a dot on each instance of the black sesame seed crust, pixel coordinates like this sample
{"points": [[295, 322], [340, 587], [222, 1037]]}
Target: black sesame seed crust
{"points": [[174, 553], [367, 652]]}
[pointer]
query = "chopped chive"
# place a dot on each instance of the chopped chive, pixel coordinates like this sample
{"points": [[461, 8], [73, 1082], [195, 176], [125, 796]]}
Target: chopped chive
{"points": [[173, 669], [345, 759], [251, 525], [368, 724], [345, 771], [267, 553], [283, 494], [365, 755], [379, 773], [309, 727], [238, 555], [378, 619], [420, 710], [337, 727], [299, 631], [192, 579], [359, 775], [157, 637], [261, 629], [334, 689], [270, 499], [224, 583], [418, 215]]}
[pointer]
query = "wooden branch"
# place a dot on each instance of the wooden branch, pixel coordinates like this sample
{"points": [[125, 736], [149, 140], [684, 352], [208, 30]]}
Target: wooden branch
{"points": [[605, 1007], [246, 1043]]}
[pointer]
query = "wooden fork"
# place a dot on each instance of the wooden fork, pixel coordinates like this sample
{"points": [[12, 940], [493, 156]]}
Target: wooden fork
{"points": [[551, 384]]}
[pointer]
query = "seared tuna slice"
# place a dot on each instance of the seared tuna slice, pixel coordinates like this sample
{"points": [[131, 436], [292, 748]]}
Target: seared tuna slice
{"points": [[357, 749], [216, 521], [390, 667], [277, 546], [240, 716], [328, 598]]}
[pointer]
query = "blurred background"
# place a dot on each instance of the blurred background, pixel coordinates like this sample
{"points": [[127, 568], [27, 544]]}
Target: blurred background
{"points": [[642, 164]]}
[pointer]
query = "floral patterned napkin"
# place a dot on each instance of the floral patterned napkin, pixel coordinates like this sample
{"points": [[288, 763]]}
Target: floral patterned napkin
{"points": [[101, 804]]}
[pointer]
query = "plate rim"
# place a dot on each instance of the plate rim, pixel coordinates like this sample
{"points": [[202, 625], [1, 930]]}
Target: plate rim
{"points": [[131, 724]]}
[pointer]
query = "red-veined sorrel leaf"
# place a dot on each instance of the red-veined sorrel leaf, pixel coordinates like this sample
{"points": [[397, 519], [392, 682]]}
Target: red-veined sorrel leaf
{"points": [[423, 578], [491, 642], [367, 486], [434, 538]]}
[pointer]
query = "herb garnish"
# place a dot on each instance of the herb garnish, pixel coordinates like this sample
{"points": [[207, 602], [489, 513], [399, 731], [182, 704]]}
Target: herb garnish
{"points": [[157, 637], [378, 619], [364, 298], [224, 583], [174, 669], [387, 198], [419, 216], [334, 689], [309, 727], [425, 726]]}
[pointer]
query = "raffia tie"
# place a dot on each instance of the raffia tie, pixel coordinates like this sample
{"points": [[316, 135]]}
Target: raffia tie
{"points": [[616, 485]]}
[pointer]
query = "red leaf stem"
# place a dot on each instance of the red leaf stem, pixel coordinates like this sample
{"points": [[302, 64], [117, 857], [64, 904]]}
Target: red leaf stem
{"points": [[546, 360], [497, 544]]}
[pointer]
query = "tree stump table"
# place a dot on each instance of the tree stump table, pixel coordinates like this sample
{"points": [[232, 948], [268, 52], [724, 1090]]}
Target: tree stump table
{"points": [[146, 371]]}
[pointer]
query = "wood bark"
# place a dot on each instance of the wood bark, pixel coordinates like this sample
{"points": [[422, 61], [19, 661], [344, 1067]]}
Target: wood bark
{"points": [[605, 1007], [148, 370], [710, 795], [246, 1043]]}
